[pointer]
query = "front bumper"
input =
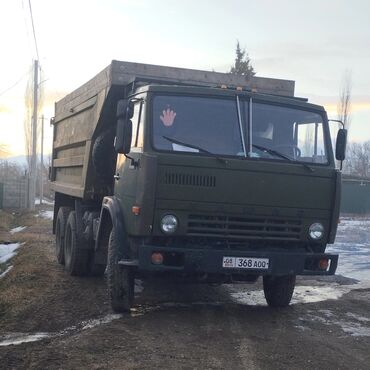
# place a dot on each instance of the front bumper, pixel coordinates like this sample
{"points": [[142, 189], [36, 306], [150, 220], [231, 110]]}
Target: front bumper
{"points": [[198, 261]]}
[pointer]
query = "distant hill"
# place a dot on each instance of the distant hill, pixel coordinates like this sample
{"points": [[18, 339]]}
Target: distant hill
{"points": [[20, 160]]}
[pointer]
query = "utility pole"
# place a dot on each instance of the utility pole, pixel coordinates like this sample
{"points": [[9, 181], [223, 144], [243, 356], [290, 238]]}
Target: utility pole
{"points": [[33, 172], [42, 161]]}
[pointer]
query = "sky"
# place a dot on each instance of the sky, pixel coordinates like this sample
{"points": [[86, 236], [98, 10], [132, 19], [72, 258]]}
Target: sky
{"points": [[313, 43]]}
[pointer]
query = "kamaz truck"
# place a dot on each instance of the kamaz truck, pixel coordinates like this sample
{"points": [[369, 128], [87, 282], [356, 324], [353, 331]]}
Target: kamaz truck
{"points": [[193, 175]]}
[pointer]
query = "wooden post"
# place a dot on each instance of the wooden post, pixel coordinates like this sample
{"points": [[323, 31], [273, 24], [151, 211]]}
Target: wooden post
{"points": [[42, 161], [33, 174]]}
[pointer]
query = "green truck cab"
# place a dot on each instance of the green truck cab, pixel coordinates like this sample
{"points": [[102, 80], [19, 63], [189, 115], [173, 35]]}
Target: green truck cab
{"points": [[185, 178]]}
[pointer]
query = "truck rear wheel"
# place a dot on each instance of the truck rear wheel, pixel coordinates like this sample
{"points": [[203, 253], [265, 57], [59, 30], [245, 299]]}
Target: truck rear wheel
{"points": [[120, 279], [76, 256], [60, 228], [278, 290]]}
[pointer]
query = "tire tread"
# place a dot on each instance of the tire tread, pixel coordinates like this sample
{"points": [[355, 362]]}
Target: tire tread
{"points": [[278, 289]]}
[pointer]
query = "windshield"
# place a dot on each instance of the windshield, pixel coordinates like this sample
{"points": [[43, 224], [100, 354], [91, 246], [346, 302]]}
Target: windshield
{"points": [[206, 123], [212, 126], [294, 133]]}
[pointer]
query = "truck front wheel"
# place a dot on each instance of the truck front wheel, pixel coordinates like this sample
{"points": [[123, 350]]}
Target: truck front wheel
{"points": [[278, 290], [76, 255], [120, 279]]}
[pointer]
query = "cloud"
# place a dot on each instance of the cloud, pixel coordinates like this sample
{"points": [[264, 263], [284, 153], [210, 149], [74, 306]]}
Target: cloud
{"points": [[356, 106]]}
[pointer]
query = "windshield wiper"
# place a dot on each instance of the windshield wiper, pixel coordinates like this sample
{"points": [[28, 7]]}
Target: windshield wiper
{"points": [[178, 142], [273, 152], [281, 155]]}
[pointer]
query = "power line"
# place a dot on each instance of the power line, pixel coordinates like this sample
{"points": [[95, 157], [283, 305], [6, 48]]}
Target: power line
{"points": [[14, 85], [33, 29], [26, 27]]}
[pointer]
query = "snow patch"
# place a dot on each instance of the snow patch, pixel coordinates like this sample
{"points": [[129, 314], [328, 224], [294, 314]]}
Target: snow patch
{"points": [[353, 246], [353, 327], [303, 294], [347, 222], [5, 272], [249, 298], [97, 322], [46, 214], [313, 294], [19, 338], [8, 251], [17, 229], [357, 317], [44, 201], [301, 327]]}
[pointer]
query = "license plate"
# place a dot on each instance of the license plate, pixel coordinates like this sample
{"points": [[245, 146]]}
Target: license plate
{"points": [[245, 263]]}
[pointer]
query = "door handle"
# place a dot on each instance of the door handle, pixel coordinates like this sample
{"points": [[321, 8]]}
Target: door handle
{"points": [[117, 176]]}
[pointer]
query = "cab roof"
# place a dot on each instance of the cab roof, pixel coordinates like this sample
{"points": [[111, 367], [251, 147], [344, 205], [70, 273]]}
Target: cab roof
{"points": [[228, 92]]}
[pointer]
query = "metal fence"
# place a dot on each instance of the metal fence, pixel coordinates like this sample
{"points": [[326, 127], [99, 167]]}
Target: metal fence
{"points": [[13, 192], [355, 195]]}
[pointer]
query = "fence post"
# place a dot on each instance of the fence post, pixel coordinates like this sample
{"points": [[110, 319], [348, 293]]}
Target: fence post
{"points": [[1, 195]]}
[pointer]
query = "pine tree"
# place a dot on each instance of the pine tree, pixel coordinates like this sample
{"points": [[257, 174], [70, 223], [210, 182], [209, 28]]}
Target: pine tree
{"points": [[242, 66]]}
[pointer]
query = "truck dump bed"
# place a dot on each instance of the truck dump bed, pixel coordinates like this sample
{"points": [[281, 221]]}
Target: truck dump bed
{"points": [[87, 112]]}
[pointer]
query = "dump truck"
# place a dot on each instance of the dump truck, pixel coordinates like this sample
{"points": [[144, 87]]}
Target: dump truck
{"points": [[193, 175]]}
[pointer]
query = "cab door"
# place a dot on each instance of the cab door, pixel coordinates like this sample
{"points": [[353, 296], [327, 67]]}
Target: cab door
{"points": [[126, 175]]}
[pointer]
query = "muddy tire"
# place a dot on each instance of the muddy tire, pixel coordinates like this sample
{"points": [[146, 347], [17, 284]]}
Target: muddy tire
{"points": [[60, 228], [120, 279], [76, 255], [278, 290]]}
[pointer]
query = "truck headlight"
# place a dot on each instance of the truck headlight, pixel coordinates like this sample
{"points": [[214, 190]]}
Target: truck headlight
{"points": [[316, 231], [169, 224]]}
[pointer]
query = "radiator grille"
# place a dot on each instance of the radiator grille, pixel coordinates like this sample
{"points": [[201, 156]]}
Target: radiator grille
{"points": [[235, 227], [189, 179]]}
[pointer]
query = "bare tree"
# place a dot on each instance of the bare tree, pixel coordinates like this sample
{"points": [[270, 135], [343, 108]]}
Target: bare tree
{"points": [[242, 65], [357, 161], [344, 104], [10, 170]]}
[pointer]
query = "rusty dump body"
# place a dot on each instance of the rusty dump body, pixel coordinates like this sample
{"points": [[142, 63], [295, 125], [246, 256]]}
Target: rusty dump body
{"points": [[162, 170]]}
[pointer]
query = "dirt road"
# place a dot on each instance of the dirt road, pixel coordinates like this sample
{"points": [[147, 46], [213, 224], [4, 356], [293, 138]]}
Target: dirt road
{"points": [[172, 326]]}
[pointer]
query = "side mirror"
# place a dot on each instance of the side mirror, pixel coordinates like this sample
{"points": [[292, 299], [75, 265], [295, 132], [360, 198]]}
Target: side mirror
{"points": [[123, 139], [340, 147]]}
